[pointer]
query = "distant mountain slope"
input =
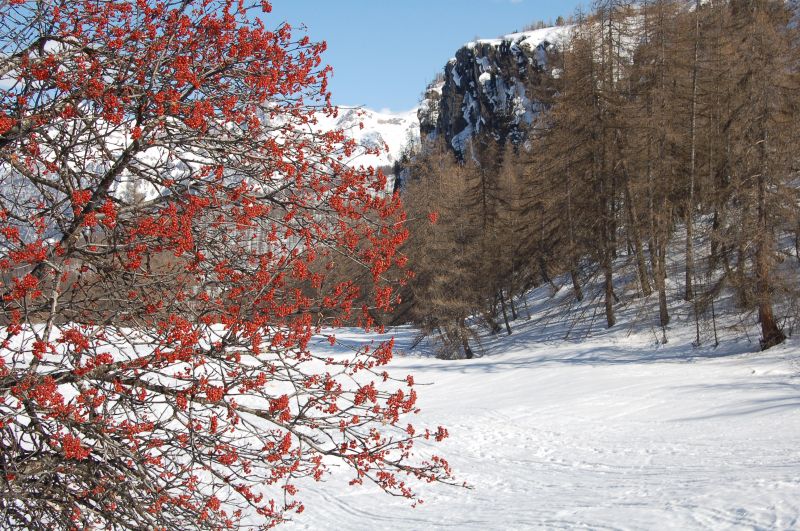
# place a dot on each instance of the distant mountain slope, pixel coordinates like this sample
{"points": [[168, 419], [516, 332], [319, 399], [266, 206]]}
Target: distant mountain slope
{"points": [[394, 130]]}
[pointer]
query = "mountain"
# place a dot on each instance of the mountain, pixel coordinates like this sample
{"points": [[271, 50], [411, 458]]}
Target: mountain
{"points": [[491, 85], [395, 131]]}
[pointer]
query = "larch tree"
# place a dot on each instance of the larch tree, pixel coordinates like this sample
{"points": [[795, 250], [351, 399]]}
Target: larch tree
{"points": [[592, 103], [444, 204], [168, 222], [560, 159], [653, 146], [759, 124], [511, 231]]}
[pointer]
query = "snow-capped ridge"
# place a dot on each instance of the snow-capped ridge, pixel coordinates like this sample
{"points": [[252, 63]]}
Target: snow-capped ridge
{"points": [[391, 132], [488, 87]]}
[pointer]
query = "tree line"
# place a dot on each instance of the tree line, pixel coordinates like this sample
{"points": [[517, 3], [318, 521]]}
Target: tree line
{"points": [[668, 137]]}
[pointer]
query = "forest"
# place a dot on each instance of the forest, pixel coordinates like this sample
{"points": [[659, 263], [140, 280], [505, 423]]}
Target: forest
{"points": [[668, 134]]}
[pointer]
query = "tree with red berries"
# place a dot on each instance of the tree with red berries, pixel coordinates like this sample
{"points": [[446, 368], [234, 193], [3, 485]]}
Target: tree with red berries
{"points": [[172, 231]]}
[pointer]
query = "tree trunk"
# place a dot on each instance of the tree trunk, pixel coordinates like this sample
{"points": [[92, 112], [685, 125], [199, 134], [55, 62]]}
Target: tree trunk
{"points": [[527, 309], [514, 315], [740, 276], [468, 354], [797, 243], [715, 224], [771, 335], [609, 288], [494, 326], [576, 285], [505, 313], [544, 273], [641, 267], [572, 254], [689, 292], [661, 282]]}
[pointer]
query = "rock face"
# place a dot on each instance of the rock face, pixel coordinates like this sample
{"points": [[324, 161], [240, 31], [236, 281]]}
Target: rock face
{"points": [[491, 86]]}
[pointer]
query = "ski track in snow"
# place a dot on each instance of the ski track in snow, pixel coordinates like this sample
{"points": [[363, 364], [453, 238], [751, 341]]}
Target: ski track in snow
{"points": [[611, 432]]}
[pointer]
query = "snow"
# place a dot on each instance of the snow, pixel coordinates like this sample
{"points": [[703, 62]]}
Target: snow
{"points": [[456, 77], [555, 35], [532, 39], [607, 430], [394, 130], [485, 63], [460, 141]]}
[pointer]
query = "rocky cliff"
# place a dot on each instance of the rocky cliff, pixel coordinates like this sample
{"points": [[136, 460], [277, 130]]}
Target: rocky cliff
{"points": [[491, 86]]}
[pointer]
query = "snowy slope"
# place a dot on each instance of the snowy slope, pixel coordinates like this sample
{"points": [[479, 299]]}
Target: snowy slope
{"points": [[612, 431], [393, 130]]}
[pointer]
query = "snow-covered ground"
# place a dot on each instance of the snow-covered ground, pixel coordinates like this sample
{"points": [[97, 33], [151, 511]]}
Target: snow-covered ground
{"points": [[610, 430]]}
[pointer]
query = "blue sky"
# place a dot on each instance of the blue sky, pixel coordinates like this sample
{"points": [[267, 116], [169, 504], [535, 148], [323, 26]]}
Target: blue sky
{"points": [[384, 52]]}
